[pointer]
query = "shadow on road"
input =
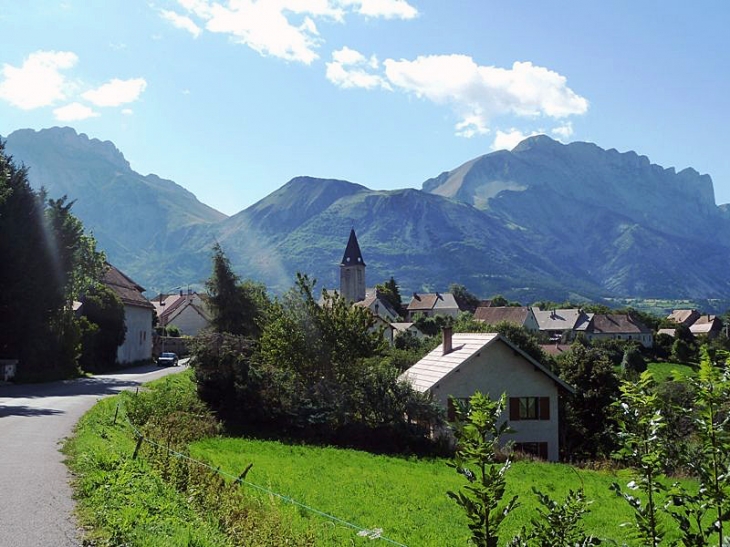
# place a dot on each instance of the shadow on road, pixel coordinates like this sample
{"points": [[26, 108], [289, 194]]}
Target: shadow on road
{"points": [[27, 411], [98, 385]]}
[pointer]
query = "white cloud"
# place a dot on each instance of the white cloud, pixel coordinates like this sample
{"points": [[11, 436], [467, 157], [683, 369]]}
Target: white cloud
{"points": [[127, 111], [286, 29], [181, 22], [116, 92], [508, 140], [480, 93], [563, 132], [388, 9], [39, 81], [74, 112], [350, 68]]}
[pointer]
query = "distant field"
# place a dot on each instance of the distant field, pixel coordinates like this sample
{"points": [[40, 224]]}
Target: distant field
{"points": [[662, 307], [406, 498]]}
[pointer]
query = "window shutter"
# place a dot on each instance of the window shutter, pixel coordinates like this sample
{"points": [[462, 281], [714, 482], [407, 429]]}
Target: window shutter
{"points": [[544, 408], [514, 408], [450, 410]]}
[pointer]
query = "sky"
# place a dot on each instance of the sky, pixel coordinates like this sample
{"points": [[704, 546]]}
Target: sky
{"points": [[233, 98]]}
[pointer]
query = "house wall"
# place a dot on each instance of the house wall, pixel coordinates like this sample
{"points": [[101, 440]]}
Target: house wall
{"points": [[189, 321], [137, 344], [498, 369], [531, 322]]}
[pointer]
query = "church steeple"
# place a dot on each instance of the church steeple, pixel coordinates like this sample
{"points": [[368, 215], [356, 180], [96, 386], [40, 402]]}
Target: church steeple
{"points": [[352, 254], [352, 271]]}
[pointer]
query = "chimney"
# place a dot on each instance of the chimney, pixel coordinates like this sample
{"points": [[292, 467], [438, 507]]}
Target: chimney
{"points": [[448, 346]]}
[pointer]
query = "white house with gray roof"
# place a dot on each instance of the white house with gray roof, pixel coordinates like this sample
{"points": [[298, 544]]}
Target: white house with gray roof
{"points": [[468, 362]]}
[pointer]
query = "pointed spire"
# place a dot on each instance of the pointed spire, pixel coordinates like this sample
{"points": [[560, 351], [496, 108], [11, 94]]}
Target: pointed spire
{"points": [[352, 255]]}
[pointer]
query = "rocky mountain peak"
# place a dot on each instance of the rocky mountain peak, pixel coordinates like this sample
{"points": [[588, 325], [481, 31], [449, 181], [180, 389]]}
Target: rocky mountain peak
{"points": [[72, 143]]}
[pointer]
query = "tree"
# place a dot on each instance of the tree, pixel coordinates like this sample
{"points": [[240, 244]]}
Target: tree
{"points": [[391, 293], [632, 363], [465, 299], [589, 423], [47, 262], [105, 331], [237, 307], [478, 430]]}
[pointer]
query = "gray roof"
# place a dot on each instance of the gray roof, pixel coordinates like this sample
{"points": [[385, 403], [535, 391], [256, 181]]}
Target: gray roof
{"points": [[435, 366], [559, 319], [684, 317], [510, 314], [432, 301]]}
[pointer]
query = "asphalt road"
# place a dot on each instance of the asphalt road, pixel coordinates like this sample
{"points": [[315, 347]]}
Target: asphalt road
{"points": [[36, 507]]}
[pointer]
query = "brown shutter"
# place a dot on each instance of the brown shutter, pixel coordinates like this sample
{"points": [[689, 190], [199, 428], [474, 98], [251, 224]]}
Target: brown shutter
{"points": [[544, 408], [514, 409]]}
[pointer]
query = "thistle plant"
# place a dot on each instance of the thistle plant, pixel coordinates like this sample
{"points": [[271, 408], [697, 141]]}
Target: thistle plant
{"points": [[478, 430]]}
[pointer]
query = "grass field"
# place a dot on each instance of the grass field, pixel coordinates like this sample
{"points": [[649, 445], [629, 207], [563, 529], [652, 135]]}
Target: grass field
{"points": [[666, 371], [406, 498], [125, 501]]}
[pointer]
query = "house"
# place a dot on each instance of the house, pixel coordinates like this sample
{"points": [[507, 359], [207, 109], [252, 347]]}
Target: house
{"points": [[562, 325], [706, 325], [188, 312], [378, 305], [400, 328], [618, 326], [468, 362], [138, 313], [430, 304], [684, 317], [520, 316]]}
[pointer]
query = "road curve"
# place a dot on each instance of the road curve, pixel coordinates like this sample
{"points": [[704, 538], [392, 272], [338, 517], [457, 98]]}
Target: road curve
{"points": [[36, 507]]}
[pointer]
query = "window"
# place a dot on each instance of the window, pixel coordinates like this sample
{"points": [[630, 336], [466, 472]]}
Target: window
{"points": [[529, 408], [539, 449]]}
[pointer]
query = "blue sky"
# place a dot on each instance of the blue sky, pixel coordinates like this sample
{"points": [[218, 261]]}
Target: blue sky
{"points": [[233, 98]]}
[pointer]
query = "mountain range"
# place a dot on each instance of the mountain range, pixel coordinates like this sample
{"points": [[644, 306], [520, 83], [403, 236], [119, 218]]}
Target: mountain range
{"points": [[543, 221]]}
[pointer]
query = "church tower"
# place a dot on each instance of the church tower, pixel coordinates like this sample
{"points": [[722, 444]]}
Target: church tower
{"points": [[352, 271]]}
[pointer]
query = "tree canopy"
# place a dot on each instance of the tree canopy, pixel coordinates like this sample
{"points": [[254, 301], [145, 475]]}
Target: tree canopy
{"points": [[48, 261]]}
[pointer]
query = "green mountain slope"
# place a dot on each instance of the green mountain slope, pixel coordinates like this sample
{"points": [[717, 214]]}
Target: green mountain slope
{"points": [[545, 221]]}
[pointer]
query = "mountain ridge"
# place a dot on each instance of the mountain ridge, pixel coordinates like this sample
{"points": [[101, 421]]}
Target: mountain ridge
{"points": [[544, 221]]}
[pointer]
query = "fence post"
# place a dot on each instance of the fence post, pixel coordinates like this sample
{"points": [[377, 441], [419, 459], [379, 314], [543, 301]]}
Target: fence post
{"points": [[140, 439]]}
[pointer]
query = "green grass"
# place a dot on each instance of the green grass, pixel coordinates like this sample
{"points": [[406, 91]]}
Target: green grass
{"points": [[671, 371], [404, 497], [121, 501]]}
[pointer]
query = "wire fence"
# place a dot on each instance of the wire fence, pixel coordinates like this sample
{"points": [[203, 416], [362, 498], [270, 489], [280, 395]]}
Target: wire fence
{"points": [[372, 533]]}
